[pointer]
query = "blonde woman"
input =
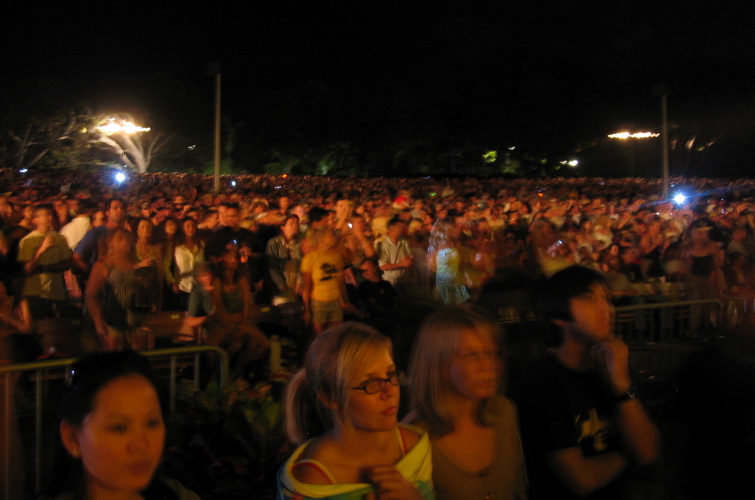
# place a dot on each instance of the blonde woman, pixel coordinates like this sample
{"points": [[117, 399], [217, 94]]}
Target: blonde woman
{"points": [[454, 383], [342, 409], [444, 259]]}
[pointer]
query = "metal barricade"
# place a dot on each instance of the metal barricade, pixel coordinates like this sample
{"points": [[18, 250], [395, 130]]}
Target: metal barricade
{"points": [[43, 373], [668, 321]]}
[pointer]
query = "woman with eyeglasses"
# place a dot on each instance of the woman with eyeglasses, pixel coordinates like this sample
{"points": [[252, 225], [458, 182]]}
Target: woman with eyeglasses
{"points": [[454, 384], [113, 432], [342, 409]]}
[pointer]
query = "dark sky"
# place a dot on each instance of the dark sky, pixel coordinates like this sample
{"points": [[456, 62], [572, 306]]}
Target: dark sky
{"points": [[369, 46], [610, 52]]}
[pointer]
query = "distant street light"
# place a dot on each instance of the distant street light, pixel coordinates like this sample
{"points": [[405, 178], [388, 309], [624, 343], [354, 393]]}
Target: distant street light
{"points": [[636, 135]]}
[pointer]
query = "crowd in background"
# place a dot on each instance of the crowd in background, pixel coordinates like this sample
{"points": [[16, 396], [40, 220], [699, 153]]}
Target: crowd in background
{"points": [[389, 241]]}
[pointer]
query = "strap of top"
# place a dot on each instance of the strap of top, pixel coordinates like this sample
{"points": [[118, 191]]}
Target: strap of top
{"points": [[317, 465], [401, 442]]}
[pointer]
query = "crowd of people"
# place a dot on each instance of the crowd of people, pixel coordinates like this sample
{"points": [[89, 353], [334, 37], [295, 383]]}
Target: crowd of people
{"points": [[380, 250], [277, 239]]}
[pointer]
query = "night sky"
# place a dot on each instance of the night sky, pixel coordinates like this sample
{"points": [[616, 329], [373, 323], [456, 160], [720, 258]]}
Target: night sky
{"points": [[598, 55]]}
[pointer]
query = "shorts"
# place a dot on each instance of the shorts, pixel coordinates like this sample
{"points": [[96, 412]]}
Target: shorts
{"points": [[326, 312]]}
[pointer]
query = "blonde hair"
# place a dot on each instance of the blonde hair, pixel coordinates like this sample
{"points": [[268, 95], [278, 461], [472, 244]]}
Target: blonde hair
{"points": [[433, 354], [443, 233], [331, 368]]}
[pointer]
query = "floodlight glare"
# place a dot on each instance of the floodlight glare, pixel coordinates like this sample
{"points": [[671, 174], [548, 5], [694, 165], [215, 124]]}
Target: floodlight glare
{"points": [[679, 198], [120, 177]]}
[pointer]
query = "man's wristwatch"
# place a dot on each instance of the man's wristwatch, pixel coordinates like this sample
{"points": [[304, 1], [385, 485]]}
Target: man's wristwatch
{"points": [[630, 394]]}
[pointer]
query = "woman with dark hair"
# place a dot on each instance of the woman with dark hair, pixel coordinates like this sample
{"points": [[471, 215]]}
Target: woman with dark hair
{"points": [[167, 235], [342, 409], [232, 298], [189, 251], [150, 276], [112, 289], [455, 374], [113, 431]]}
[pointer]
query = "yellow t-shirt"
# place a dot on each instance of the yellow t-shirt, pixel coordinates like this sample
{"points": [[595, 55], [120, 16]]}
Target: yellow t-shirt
{"points": [[327, 272]]}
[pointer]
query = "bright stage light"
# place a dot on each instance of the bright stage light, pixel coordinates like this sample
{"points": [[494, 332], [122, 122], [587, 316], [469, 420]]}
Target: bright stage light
{"points": [[636, 135], [679, 198], [113, 126], [120, 177]]}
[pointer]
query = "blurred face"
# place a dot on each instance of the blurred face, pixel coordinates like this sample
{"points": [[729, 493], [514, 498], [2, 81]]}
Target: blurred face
{"points": [[328, 241], [171, 227], [396, 231], [593, 315], [212, 221], [116, 212], [144, 230], [121, 441], [700, 236], [98, 218], [205, 279], [190, 227], [370, 271], [291, 228], [230, 260], [476, 366], [284, 203], [357, 225], [342, 207], [61, 207], [231, 217], [375, 412], [42, 220]]}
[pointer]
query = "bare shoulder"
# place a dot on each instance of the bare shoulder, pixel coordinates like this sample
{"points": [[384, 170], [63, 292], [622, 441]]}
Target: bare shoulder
{"points": [[310, 473], [310, 468], [411, 436]]}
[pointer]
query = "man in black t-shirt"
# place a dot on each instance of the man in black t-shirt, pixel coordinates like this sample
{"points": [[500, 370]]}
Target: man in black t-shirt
{"points": [[582, 425]]}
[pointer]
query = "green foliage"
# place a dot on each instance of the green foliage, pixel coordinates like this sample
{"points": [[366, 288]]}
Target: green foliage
{"points": [[227, 443]]}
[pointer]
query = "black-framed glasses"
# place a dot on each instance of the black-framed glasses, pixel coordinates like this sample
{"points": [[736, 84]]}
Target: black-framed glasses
{"points": [[375, 385]]}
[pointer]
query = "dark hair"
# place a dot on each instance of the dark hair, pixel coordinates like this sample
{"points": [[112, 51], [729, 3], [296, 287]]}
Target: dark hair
{"points": [[206, 216], [88, 376], [555, 293], [43, 206], [135, 226], [181, 235], [113, 200], [288, 217], [316, 214], [92, 372], [393, 222]]}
